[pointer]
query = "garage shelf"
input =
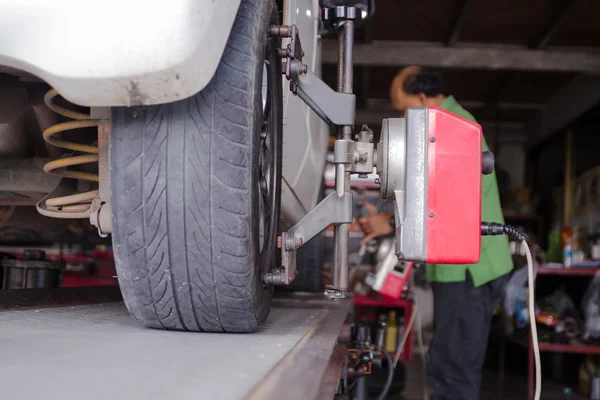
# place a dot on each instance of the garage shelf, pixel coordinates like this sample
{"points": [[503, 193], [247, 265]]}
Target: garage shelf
{"points": [[570, 348], [557, 270], [560, 347], [573, 271]]}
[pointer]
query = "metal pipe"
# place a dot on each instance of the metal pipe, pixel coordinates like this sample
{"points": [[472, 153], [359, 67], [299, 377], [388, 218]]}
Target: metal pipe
{"points": [[342, 238], [348, 56], [348, 67], [336, 255], [344, 250], [340, 72], [361, 389], [339, 168], [103, 165], [341, 54], [340, 172], [26, 175]]}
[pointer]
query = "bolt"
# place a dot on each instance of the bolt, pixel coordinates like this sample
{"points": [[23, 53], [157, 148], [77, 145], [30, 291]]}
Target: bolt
{"points": [[333, 293], [298, 241], [303, 68], [276, 277], [432, 139], [431, 214], [280, 30], [377, 181], [282, 52]]}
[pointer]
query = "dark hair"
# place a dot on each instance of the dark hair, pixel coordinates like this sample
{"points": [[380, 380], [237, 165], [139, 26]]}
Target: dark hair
{"points": [[428, 83]]}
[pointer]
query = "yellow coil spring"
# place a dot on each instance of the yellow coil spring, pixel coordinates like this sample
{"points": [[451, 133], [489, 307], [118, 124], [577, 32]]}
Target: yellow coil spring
{"points": [[79, 202]]}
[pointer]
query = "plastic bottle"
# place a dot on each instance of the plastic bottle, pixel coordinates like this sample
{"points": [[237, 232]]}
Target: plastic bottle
{"points": [[400, 330], [392, 333], [566, 241], [568, 253], [596, 250]]}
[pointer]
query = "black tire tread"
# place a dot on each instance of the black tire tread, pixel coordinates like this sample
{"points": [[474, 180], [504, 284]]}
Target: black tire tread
{"points": [[182, 201]]}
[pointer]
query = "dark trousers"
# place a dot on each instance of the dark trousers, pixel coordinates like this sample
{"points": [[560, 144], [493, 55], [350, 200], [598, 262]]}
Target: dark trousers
{"points": [[462, 317]]}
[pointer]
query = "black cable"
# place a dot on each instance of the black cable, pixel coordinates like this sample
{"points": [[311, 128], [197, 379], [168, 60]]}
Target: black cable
{"points": [[494, 228], [390, 378], [351, 386]]}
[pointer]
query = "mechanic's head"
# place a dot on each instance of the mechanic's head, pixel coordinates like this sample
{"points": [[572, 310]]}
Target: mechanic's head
{"points": [[412, 88]]}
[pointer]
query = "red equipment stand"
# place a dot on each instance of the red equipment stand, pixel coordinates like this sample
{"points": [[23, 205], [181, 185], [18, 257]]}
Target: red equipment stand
{"points": [[369, 308]]}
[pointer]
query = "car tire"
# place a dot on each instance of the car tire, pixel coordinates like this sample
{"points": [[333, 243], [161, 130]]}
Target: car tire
{"points": [[195, 191]]}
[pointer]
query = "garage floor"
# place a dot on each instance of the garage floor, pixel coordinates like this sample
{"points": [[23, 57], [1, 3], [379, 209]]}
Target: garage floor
{"points": [[515, 387], [98, 352]]}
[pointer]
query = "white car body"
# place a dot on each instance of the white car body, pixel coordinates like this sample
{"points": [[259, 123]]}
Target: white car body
{"points": [[144, 52]]}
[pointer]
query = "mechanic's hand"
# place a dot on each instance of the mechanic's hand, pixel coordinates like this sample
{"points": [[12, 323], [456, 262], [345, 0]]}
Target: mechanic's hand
{"points": [[375, 225]]}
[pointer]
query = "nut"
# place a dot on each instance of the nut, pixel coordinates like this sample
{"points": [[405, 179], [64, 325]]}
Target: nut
{"points": [[298, 242]]}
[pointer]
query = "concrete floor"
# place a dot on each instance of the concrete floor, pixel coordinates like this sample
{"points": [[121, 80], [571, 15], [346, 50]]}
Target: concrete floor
{"points": [[98, 352], [515, 387]]}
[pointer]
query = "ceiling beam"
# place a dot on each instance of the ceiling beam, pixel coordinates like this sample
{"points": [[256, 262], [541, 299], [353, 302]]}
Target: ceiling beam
{"points": [[510, 76], [579, 96], [497, 91], [552, 28], [384, 104], [398, 54], [458, 23]]}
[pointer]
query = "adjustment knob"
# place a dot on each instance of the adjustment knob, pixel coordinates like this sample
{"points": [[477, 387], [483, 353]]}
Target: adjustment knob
{"points": [[341, 13], [487, 162]]}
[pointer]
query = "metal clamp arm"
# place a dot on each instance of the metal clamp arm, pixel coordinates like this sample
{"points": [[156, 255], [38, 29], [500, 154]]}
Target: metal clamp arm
{"points": [[332, 210], [332, 107]]}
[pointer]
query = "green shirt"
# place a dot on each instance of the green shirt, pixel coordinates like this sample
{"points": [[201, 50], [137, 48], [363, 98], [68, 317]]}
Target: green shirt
{"points": [[495, 258]]}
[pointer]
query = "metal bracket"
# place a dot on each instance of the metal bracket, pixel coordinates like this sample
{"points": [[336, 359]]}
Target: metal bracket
{"points": [[332, 107], [100, 210], [359, 155], [331, 211], [100, 217]]}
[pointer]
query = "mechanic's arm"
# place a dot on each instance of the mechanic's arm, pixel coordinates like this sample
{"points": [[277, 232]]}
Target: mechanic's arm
{"points": [[375, 225]]}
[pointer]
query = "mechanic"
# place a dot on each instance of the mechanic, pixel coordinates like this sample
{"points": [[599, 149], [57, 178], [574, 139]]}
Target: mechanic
{"points": [[464, 295]]}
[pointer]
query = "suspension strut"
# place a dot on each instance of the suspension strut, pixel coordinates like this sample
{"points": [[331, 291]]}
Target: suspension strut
{"points": [[66, 201], [75, 204]]}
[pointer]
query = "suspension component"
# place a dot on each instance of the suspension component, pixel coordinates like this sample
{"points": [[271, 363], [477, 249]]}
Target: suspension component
{"points": [[62, 203]]}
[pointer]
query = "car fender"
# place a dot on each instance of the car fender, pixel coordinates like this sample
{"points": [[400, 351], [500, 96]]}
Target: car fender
{"points": [[117, 52]]}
